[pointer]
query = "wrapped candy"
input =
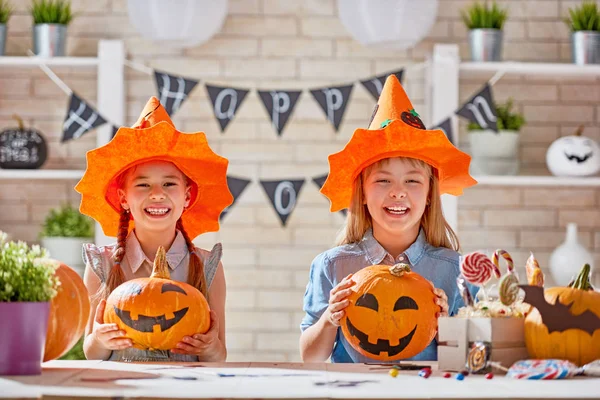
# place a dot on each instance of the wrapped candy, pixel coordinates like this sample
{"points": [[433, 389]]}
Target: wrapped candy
{"points": [[543, 369], [535, 276]]}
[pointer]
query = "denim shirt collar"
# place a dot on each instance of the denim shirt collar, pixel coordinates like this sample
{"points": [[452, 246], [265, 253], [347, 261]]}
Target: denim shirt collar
{"points": [[376, 253], [136, 257]]}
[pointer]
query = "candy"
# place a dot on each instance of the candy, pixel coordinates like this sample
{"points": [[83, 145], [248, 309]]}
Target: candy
{"points": [[464, 291], [509, 261], [393, 372], [542, 369], [425, 373], [535, 276], [447, 375], [478, 358], [592, 369], [460, 377], [509, 289], [489, 375], [477, 268]]}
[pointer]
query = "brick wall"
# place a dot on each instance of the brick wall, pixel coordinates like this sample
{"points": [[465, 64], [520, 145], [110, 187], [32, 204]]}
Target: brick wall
{"points": [[293, 44]]}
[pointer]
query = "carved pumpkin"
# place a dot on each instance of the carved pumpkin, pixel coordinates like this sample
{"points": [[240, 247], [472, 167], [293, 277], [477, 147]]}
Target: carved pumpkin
{"points": [[565, 323], [392, 313], [412, 118], [157, 312], [69, 312], [574, 155]]}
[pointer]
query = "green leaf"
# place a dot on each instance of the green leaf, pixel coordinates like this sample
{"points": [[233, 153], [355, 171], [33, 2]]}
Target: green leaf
{"points": [[26, 273], [67, 221], [478, 16], [51, 12], [6, 10], [507, 119], [584, 18]]}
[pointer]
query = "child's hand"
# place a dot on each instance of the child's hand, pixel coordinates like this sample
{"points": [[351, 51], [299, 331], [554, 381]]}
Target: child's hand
{"points": [[338, 301], [206, 344], [441, 300], [108, 335]]}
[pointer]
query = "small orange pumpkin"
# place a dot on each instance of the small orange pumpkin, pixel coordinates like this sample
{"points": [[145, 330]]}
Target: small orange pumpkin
{"points": [[69, 312], [565, 322], [392, 313], [157, 312]]}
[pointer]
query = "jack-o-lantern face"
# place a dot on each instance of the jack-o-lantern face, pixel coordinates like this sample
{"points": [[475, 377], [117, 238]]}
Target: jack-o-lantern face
{"points": [[156, 312], [392, 313], [573, 156], [412, 118]]}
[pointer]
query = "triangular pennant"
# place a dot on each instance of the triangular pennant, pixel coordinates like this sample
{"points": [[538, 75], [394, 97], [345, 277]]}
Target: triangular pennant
{"points": [[226, 101], [375, 85], [481, 109], [283, 195], [115, 128], [173, 90], [446, 126], [80, 118], [333, 101], [320, 181], [279, 105], [236, 187]]}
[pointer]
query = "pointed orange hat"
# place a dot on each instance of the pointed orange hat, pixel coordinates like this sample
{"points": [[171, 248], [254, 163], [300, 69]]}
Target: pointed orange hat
{"points": [[154, 137], [395, 131]]}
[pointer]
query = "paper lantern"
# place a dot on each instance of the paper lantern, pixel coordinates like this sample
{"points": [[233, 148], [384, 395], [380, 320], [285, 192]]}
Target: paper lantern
{"points": [[393, 24], [178, 23]]}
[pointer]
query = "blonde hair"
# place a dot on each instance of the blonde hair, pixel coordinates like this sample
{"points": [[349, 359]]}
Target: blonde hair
{"points": [[438, 232], [116, 276]]}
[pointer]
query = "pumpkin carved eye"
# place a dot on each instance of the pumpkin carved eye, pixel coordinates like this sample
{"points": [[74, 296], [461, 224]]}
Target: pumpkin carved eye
{"points": [[169, 287], [369, 301], [405, 303]]}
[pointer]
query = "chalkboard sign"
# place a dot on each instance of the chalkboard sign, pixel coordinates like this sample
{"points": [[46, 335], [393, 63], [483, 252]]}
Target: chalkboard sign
{"points": [[22, 148]]}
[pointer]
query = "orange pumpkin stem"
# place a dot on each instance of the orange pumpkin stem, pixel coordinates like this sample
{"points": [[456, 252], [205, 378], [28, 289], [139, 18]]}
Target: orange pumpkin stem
{"points": [[161, 268], [399, 269]]}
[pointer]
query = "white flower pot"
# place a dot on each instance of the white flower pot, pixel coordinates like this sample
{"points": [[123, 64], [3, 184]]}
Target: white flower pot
{"points": [[67, 250], [494, 153]]}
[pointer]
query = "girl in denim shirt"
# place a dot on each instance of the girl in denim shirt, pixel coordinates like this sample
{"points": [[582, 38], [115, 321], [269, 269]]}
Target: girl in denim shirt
{"points": [[390, 177]]}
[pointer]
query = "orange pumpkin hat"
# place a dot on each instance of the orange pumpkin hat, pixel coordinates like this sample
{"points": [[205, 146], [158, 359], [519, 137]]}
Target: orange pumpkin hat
{"points": [[395, 131], [154, 137]]}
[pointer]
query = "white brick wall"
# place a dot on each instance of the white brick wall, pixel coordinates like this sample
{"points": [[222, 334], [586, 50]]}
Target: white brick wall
{"points": [[302, 44]]}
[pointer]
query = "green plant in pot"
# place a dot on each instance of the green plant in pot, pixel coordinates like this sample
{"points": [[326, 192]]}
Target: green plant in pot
{"points": [[27, 284], [485, 23], [497, 153], [50, 21], [584, 23], [64, 232], [5, 13]]}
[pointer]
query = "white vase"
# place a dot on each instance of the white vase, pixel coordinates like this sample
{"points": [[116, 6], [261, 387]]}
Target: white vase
{"points": [[494, 153], [66, 249], [568, 258]]}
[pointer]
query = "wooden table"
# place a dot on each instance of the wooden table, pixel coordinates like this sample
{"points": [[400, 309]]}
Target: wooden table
{"points": [[106, 380]]}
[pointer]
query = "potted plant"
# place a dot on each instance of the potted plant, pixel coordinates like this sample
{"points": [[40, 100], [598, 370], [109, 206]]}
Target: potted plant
{"points": [[27, 284], [485, 30], [497, 153], [50, 20], [584, 23], [5, 12], [63, 234]]}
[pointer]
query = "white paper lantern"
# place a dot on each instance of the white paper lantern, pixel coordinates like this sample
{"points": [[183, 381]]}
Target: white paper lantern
{"points": [[393, 24], [177, 23]]}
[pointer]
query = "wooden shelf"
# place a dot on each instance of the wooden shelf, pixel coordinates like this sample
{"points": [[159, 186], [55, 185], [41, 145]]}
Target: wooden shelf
{"points": [[530, 68], [10, 61], [520, 180], [49, 174]]}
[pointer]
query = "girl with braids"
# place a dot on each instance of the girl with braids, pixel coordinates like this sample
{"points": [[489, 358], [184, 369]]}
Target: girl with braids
{"points": [[153, 186]]}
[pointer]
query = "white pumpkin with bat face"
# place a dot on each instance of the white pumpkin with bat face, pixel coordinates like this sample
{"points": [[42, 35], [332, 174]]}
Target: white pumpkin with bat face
{"points": [[574, 155]]}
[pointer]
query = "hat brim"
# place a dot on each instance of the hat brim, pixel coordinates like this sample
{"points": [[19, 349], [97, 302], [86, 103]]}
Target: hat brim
{"points": [[395, 140], [189, 152]]}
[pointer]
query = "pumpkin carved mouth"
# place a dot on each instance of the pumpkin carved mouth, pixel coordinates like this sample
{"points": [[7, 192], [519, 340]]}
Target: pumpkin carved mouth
{"points": [[146, 323], [574, 157], [382, 345]]}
